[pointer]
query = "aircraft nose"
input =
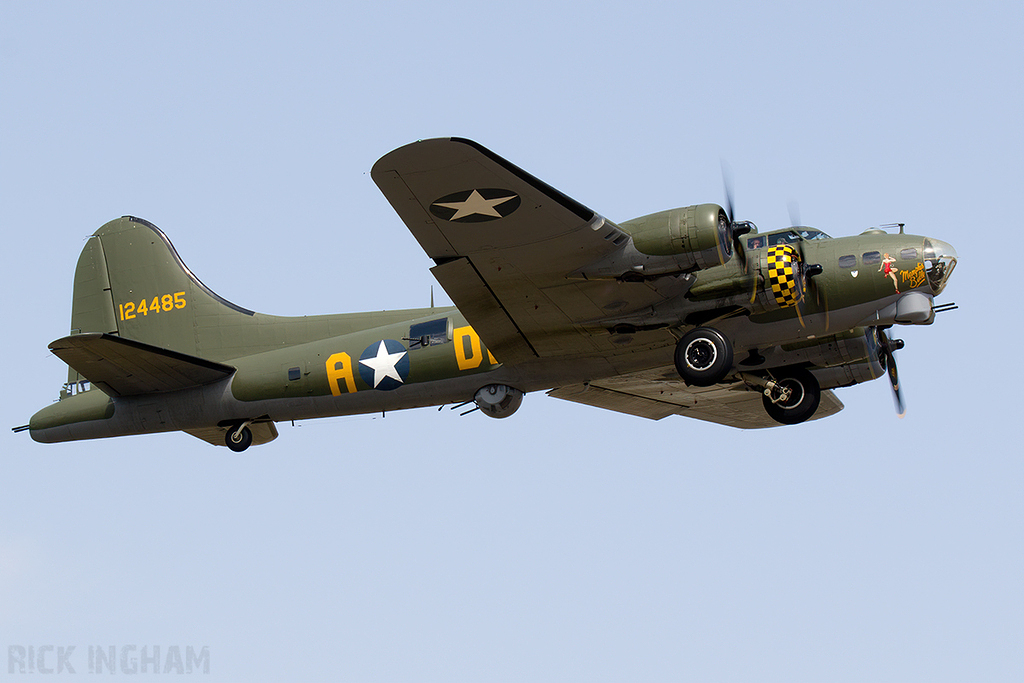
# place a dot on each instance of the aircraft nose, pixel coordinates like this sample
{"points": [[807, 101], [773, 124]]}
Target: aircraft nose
{"points": [[939, 262]]}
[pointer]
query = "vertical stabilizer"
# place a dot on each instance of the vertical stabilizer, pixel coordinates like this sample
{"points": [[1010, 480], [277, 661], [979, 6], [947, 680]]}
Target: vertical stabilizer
{"points": [[131, 282], [92, 308]]}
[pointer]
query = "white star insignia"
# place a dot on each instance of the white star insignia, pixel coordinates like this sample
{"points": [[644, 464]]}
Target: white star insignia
{"points": [[383, 364], [476, 204]]}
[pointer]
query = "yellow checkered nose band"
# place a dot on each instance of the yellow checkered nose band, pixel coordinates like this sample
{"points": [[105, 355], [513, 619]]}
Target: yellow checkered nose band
{"points": [[783, 271]]}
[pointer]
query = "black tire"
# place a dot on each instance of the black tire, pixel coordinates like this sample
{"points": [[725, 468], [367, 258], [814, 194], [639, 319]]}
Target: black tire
{"points": [[703, 357], [244, 439], [801, 404]]}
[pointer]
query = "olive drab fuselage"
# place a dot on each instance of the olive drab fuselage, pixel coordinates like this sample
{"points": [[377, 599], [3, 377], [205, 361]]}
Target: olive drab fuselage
{"points": [[153, 349]]}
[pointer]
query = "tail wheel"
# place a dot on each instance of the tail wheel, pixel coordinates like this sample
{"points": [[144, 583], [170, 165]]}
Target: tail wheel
{"points": [[703, 357], [794, 398], [238, 439]]}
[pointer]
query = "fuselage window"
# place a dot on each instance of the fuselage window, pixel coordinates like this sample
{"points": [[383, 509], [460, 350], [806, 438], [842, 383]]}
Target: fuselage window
{"points": [[75, 388], [909, 254], [872, 258], [430, 333], [848, 261]]}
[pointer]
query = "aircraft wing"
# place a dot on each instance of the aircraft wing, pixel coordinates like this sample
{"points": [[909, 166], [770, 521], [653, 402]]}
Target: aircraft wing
{"points": [[504, 243], [656, 394], [123, 367]]}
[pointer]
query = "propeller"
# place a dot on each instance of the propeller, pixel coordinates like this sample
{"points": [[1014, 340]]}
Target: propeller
{"points": [[808, 270], [794, 212], [737, 228], [886, 355], [740, 228]]}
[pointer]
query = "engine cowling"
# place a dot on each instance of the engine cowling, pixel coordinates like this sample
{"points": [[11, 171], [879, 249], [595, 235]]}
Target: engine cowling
{"points": [[701, 233], [852, 346], [782, 271], [840, 360], [498, 400], [848, 375]]}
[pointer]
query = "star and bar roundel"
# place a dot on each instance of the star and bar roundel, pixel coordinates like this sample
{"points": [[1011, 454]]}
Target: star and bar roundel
{"points": [[384, 365], [476, 206]]}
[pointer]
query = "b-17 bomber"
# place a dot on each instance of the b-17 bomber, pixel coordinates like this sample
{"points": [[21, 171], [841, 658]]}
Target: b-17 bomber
{"points": [[682, 312]]}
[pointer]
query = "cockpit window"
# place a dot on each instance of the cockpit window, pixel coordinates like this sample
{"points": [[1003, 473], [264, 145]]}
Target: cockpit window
{"points": [[787, 237], [810, 233]]}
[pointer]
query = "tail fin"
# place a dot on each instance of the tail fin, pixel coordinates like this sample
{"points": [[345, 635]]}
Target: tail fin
{"points": [[131, 282]]}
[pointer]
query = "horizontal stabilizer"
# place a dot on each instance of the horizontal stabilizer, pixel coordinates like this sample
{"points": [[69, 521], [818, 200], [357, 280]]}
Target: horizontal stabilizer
{"points": [[123, 367]]}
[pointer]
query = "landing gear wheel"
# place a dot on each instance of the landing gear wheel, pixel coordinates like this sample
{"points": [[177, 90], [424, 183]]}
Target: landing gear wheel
{"points": [[803, 395], [238, 439], [703, 357]]}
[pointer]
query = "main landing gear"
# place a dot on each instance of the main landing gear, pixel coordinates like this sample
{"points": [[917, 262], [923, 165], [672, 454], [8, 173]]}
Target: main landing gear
{"points": [[703, 357], [792, 396]]}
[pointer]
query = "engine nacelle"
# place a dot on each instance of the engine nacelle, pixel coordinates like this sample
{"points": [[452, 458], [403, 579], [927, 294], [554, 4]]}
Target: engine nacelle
{"points": [[782, 271], [840, 360], [498, 400], [848, 375], [853, 346], [701, 233]]}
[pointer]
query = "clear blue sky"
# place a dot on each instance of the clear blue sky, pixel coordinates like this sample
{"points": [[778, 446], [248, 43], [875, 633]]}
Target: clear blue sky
{"points": [[566, 543]]}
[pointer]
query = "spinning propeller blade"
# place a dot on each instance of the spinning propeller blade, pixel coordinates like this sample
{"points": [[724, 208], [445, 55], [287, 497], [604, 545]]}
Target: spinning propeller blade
{"points": [[736, 229], [807, 270], [794, 213], [886, 355]]}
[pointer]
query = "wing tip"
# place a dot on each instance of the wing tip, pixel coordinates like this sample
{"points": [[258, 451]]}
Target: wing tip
{"points": [[386, 164]]}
